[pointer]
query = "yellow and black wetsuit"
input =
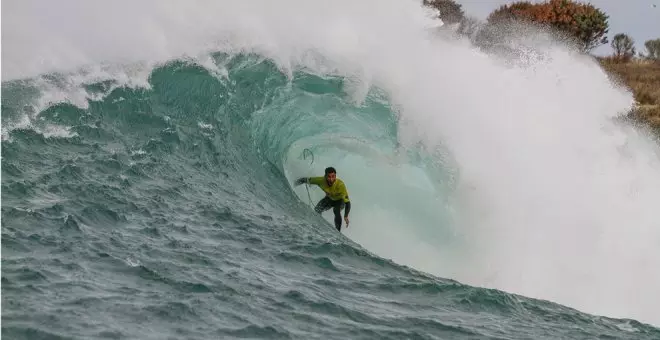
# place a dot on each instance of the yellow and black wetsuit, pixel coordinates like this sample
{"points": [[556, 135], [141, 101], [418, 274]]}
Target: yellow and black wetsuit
{"points": [[336, 197]]}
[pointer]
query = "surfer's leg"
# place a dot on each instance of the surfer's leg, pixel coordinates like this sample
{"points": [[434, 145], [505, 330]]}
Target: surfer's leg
{"points": [[323, 205], [336, 208]]}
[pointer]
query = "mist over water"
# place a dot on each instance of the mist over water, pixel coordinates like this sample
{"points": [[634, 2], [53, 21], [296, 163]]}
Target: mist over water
{"points": [[550, 196]]}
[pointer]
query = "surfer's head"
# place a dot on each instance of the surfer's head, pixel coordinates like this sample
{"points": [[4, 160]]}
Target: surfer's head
{"points": [[330, 175]]}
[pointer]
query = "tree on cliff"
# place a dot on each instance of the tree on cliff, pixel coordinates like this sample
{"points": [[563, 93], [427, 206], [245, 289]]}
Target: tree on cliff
{"points": [[623, 46], [450, 11], [653, 49], [582, 23], [514, 11]]}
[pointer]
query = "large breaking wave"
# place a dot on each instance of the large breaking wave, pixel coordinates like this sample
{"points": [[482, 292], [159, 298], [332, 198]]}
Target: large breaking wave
{"points": [[517, 177]]}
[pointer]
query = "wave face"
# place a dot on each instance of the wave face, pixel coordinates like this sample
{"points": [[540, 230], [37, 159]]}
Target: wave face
{"points": [[147, 170]]}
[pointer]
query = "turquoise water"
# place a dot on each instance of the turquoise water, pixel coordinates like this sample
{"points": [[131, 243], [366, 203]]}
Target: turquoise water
{"points": [[166, 212]]}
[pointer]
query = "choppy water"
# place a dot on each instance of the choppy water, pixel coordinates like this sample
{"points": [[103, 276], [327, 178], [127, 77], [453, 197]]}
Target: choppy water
{"points": [[153, 201]]}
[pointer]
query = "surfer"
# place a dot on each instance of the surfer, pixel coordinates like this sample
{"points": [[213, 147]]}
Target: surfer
{"points": [[336, 196]]}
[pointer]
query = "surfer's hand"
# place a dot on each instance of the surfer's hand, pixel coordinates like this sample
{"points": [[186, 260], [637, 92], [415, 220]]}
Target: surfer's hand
{"points": [[300, 181], [346, 220]]}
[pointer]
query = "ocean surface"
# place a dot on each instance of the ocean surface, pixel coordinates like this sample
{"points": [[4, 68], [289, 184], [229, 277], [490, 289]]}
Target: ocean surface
{"points": [[150, 196]]}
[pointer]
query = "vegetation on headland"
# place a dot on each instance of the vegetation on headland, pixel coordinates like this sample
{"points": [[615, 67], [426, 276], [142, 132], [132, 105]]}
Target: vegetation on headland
{"points": [[643, 78], [578, 24]]}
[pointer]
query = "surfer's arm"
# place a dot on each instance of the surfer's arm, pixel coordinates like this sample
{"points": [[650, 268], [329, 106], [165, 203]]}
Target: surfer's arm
{"points": [[347, 201], [309, 180], [316, 180]]}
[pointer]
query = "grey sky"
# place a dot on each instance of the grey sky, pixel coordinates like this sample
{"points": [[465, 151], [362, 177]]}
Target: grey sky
{"points": [[637, 18]]}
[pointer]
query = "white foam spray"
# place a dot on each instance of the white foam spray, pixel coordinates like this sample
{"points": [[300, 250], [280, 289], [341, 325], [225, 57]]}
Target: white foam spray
{"points": [[555, 200]]}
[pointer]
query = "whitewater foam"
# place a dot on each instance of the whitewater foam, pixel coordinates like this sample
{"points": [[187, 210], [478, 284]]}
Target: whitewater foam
{"points": [[555, 197]]}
